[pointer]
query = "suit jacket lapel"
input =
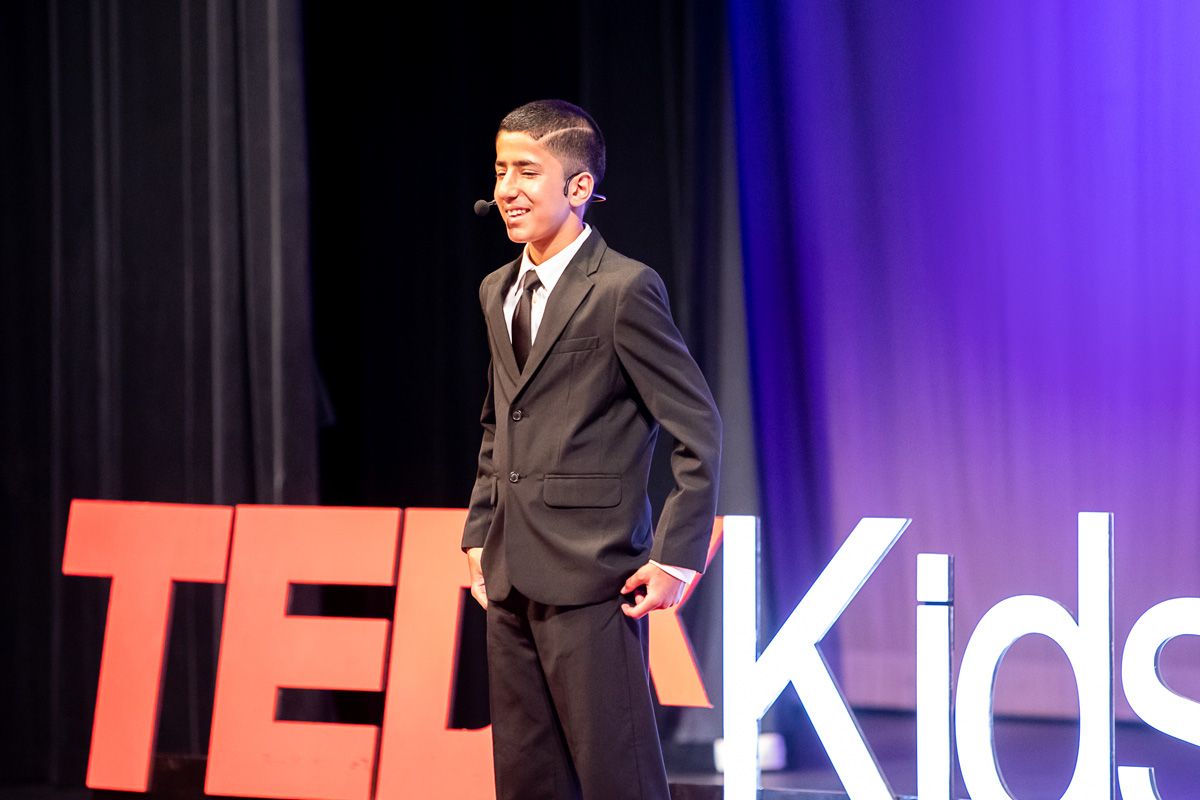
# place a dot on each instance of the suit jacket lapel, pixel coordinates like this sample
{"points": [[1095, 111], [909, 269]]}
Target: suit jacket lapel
{"points": [[570, 291], [502, 351]]}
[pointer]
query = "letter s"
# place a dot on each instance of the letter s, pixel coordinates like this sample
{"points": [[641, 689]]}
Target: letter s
{"points": [[1148, 695]]}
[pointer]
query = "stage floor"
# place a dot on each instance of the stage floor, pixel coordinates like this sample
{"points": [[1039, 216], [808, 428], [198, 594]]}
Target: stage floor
{"points": [[1036, 757]]}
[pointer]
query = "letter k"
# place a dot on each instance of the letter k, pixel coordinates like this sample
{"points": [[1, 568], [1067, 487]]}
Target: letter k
{"points": [[751, 686]]}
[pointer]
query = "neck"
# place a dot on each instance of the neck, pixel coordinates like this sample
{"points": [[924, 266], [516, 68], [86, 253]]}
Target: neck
{"points": [[570, 230]]}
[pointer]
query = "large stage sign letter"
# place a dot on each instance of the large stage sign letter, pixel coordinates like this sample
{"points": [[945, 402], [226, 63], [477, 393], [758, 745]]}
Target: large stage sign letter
{"points": [[1149, 697], [1088, 645], [935, 661], [751, 686], [673, 667], [251, 754], [419, 756], [144, 548]]}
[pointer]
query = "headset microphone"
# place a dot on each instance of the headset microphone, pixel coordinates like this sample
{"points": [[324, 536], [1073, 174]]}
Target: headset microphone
{"points": [[482, 207]]}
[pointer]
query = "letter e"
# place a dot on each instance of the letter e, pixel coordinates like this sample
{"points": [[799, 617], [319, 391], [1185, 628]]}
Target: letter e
{"points": [[262, 649]]}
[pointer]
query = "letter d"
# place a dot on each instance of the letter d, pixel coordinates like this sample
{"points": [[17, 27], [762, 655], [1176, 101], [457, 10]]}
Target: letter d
{"points": [[1088, 646]]}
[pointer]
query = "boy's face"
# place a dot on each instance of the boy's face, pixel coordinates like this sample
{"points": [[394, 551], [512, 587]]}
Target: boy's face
{"points": [[529, 194]]}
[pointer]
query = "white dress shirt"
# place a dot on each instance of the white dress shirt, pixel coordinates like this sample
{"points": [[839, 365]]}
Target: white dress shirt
{"points": [[548, 272]]}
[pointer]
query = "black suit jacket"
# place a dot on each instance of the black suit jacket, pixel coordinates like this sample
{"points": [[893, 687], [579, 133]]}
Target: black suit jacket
{"points": [[559, 503]]}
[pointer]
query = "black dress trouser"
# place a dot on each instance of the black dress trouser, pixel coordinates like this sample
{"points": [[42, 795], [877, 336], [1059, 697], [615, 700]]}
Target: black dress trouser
{"points": [[572, 711]]}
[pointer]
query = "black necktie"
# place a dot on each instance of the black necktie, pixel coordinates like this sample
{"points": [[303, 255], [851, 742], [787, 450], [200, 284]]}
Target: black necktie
{"points": [[522, 329]]}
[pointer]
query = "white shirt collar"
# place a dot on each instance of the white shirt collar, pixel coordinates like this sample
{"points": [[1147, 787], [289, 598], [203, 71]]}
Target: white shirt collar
{"points": [[550, 270]]}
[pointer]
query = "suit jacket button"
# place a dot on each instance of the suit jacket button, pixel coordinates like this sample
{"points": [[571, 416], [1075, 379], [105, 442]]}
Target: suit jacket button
{"points": [[516, 415], [513, 477]]}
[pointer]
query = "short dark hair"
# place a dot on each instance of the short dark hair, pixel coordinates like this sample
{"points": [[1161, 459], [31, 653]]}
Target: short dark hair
{"points": [[566, 130]]}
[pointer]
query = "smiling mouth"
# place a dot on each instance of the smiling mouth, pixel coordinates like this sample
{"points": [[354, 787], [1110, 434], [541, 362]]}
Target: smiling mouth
{"points": [[515, 213]]}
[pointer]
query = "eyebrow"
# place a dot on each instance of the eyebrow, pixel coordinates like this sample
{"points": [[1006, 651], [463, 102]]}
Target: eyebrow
{"points": [[520, 163]]}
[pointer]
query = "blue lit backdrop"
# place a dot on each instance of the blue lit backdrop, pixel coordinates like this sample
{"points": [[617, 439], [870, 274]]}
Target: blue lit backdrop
{"points": [[972, 265]]}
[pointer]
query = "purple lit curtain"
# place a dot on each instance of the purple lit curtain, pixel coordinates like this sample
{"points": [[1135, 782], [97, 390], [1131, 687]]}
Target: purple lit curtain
{"points": [[972, 265]]}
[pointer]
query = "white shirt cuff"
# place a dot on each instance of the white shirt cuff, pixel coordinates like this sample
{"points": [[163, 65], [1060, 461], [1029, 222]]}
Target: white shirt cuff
{"points": [[678, 573]]}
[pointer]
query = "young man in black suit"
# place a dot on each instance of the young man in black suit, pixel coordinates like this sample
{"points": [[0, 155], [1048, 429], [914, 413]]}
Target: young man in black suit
{"points": [[587, 364]]}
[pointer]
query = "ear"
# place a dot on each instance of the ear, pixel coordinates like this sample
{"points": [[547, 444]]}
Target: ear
{"points": [[580, 188]]}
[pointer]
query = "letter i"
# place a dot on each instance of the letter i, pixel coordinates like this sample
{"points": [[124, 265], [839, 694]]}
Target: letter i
{"points": [[935, 651]]}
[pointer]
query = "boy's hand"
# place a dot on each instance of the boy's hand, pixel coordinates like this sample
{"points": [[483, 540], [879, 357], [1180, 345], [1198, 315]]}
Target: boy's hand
{"points": [[661, 591], [475, 568]]}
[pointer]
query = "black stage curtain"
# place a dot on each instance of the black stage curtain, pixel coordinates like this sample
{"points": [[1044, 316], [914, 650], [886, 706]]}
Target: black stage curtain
{"points": [[156, 321], [402, 121], [201, 196]]}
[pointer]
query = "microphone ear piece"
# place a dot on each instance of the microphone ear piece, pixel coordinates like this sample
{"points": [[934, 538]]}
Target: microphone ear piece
{"points": [[594, 197]]}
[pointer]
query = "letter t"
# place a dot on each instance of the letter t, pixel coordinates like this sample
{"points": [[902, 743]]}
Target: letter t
{"points": [[144, 548]]}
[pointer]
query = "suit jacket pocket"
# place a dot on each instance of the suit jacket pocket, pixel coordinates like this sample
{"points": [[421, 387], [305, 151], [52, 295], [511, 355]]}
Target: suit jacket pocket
{"points": [[575, 345], [582, 491]]}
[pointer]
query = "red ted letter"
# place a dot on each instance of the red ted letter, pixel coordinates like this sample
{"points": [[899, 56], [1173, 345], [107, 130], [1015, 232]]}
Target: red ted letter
{"points": [[419, 757], [144, 548], [672, 662], [263, 649]]}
